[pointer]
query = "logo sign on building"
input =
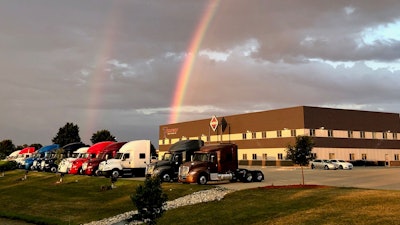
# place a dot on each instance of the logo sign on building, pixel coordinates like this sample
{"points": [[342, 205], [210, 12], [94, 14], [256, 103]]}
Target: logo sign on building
{"points": [[214, 123]]}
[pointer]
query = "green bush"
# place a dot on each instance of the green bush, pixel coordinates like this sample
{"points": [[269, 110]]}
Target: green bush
{"points": [[9, 165]]}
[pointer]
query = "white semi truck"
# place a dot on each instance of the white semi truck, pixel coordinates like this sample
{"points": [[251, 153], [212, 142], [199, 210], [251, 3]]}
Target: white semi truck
{"points": [[131, 160]]}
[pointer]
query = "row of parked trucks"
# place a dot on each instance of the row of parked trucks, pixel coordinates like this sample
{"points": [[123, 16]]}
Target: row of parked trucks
{"points": [[187, 161]]}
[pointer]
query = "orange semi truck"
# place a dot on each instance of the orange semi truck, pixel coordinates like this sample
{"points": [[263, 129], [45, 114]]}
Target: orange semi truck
{"points": [[216, 163]]}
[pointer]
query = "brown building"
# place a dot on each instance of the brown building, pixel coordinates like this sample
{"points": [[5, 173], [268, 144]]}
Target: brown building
{"points": [[262, 137]]}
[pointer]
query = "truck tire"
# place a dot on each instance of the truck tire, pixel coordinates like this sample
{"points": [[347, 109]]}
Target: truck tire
{"points": [[98, 173], [202, 179], [165, 177], [53, 169], [312, 166], [248, 177], [258, 176], [115, 173]]}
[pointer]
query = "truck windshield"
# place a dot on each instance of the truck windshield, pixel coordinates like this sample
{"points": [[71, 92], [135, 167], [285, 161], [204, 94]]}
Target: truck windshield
{"points": [[167, 157], [119, 155], [200, 157]]}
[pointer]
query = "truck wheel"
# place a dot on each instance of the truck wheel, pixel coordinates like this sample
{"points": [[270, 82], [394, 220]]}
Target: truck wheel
{"points": [[202, 179], [258, 176], [165, 177], [53, 169], [326, 168], [248, 177], [312, 166], [98, 173], [115, 173]]}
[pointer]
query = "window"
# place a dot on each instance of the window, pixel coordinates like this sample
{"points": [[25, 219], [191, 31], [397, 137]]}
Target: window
{"points": [[350, 134], [279, 133], [362, 134], [314, 155], [280, 156], [244, 156], [244, 136], [312, 132], [330, 133], [254, 156], [384, 135], [254, 135], [351, 156], [331, 155], [395, 136], [264, 134], [373, 135], [396, 157], [364, 156], [264, 156], [293, 133], [142, 155]]}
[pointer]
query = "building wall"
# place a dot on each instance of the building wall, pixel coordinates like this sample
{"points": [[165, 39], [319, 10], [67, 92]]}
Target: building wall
{"points": [[262, 137]]}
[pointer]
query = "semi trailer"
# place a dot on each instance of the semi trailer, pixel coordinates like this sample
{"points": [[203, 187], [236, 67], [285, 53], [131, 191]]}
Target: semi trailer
{"points": [[216, 163]]}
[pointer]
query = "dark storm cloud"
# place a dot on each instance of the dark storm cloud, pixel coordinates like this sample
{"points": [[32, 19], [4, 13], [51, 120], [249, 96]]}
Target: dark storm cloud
{"points": [[117, 62]]}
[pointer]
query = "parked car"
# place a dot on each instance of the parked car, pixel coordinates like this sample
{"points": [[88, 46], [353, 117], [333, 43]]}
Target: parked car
{"points": [[322, 164], [341, 164]]}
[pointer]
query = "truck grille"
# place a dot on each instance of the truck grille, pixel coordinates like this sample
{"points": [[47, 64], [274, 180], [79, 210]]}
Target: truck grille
{"points": [[150, 169], [183, 171]]}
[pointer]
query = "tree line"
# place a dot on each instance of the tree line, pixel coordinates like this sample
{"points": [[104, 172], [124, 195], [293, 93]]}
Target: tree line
{"points": [[69, 133]]}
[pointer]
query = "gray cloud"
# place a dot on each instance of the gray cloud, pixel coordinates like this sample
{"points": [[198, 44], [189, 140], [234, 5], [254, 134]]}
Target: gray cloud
{"points": [[114, 64]]}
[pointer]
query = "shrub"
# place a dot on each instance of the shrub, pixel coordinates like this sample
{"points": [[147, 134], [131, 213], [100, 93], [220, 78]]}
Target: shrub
{"points": [[9, 165], [149, 201]]}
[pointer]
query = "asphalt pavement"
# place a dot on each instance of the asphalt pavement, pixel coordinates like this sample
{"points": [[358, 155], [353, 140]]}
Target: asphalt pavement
{"points": [[383, 178]]}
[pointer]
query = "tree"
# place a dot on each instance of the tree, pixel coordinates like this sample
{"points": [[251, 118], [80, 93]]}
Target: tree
{"points": [[149, 201], [36, 145], [67, 134], [102, 135], [6, 148], [300, 153]]}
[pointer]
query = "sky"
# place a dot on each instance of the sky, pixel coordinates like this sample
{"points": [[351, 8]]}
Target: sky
{"points": [[129, 66]]}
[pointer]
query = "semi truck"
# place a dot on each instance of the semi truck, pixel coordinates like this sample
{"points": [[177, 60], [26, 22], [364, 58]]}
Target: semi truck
{"points": [[23, 155], [180, 152], [51, 163], [33, 163], [66, 163], [131, 160], [91, 167], [91, 153], [216, 163]]}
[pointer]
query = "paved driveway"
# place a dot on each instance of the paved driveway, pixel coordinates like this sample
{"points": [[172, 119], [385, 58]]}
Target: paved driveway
{"points": [[385, 178]]}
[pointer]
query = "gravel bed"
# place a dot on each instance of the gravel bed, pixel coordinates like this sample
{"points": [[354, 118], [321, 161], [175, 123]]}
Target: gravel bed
{"points": [[214, 194]]}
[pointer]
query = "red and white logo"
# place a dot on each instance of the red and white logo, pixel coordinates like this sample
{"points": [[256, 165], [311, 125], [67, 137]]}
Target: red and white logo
{"points": [[214, 123]]}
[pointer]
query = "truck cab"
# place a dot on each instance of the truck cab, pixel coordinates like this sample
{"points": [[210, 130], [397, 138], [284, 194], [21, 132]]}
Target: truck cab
{"points": [[51, 163], [91, 167], [180, 152], [131, 160], [92, 153], [23, 155], [33, 163], [216, 163], [66, 163]]}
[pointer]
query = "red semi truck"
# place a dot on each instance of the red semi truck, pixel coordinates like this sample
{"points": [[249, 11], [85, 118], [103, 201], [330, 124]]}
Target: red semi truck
{"points": [[216, 163], [91, 153], [91, 167]]}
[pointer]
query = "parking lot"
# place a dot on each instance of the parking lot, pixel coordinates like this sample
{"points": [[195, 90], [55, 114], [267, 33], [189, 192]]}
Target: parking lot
{"points": [[385, 178]]}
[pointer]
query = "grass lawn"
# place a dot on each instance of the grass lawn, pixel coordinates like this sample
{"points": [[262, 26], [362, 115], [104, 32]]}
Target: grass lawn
{"points": [[329, 205], [79, 199]]}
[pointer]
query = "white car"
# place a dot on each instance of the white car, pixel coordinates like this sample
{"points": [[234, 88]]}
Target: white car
{"points": [[322, 164], [341, 164]]}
